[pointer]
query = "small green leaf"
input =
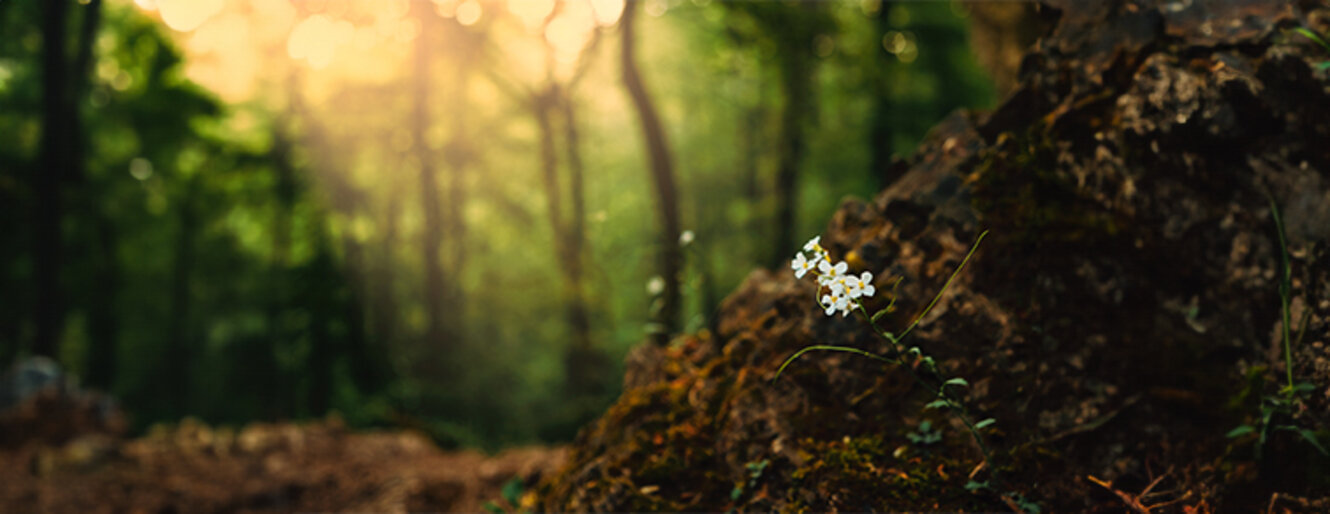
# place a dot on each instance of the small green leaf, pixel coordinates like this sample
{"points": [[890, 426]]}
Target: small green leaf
{"points": [[956, 382], [737, 492], [1309, 436], [1312, 36], [938, 404], [493, 508], [980, 425], [879, 315], [975, 486], [1322, 66], [1240, 431], [512, 491]]}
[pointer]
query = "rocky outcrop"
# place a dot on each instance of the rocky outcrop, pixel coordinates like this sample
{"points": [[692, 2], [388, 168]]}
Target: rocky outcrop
{"points": [[1121, 317]]}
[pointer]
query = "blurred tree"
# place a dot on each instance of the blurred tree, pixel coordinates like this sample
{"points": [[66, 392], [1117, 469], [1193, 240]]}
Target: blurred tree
{"points": [[661, 166], [59, 117], [438, 335], [554, 108], [793, 28], [1000, 35]]}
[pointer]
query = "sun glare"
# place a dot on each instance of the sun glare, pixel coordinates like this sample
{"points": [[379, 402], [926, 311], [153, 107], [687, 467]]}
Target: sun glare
{"points": [[607, 11], [317, 38], [468, 13], [532, 12], [570, 30], [187, 15]]}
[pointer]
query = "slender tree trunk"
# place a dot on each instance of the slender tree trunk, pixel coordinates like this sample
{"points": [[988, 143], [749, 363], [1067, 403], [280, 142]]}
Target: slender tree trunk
{"points": [[366, 363], [179, 354], [57, 125], [436, 338], [796, 82], [103, 321], [661, 167], [567, 234], [459, 159], [880, 132], [323, 348], [383, 310], [280, 402], [576, 229]]}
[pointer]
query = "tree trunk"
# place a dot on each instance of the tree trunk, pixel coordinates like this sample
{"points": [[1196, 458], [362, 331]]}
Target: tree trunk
{"points": [[459, 158], [103, 318], [436, 336], [58, 115], [880, 132], [661, 167], [796, 80], [178, 362], [568, 249], [103, 321]]}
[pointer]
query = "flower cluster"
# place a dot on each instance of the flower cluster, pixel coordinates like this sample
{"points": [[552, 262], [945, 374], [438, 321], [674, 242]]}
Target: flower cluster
{"points": [[839, 290]]}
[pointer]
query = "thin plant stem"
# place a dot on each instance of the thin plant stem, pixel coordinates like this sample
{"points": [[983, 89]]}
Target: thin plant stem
{"points": [[944, 286], [1285, 277]]}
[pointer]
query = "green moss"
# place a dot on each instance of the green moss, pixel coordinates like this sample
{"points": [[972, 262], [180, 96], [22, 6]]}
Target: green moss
{"points": [[863, 468], [1023, 193]]}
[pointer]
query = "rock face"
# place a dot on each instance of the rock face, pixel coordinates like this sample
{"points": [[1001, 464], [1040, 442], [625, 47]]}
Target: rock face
{"points": [[1120, 319]]}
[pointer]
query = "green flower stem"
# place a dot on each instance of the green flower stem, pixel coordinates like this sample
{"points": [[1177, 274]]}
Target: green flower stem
{"points": [[1285, 289], [944, 286]]}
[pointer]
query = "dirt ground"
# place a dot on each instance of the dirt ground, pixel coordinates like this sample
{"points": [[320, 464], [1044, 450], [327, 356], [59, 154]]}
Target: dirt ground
{"points": [[191, 467]]}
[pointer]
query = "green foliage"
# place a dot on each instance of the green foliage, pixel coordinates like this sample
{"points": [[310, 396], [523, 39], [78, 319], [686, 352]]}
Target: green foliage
{"points": [[1280, 411], [925, 434], [1307, 33]]}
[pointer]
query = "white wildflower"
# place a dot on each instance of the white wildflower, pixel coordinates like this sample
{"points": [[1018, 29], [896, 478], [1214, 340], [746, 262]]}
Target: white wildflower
{"points": [[866, 282], [686, 238], [828, 273], [834, 302], [802, 265], [814, 244]]}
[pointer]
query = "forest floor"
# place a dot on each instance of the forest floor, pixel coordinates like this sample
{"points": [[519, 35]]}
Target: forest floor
{"points": [[282, 467]]}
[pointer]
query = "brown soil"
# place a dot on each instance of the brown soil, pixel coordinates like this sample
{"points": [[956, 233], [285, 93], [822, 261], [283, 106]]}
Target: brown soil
{"points": [[192, 467]]}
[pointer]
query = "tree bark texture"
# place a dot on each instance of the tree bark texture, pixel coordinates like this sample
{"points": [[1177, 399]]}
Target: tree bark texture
{"points": [[660, 165]]}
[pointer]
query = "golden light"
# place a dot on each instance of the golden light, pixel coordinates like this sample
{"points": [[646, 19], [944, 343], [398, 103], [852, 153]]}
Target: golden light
{"points": [[446, 8], [657, 8], [570, 30], [187, 15], [316, 39], [147, 5], [227, 58], [469, 12], [607, 11], [531, 12], [388, 9], [272, 20]]}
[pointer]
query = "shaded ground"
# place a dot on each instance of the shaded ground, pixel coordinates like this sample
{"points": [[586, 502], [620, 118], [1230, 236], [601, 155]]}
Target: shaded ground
{"points": [[1121, 318], [260, 468]]}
